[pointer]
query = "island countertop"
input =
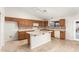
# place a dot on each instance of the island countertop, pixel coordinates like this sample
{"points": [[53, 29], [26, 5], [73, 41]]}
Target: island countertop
{"points": [[38, 32], [57, 29]]}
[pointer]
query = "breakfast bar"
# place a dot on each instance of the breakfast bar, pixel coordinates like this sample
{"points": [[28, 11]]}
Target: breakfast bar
{"points": [[38, 38]]}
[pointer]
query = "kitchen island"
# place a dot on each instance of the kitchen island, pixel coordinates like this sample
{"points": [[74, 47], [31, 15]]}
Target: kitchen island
{"points": [[38, 38]]}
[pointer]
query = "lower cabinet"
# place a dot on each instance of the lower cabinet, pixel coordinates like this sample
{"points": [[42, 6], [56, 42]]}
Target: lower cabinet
{"points": [[21, 35], [62, 35], [52, 34], [57, 34]]}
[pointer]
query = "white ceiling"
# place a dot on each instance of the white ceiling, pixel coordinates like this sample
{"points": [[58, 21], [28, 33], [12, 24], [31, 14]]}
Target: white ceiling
{"points": [[51, 12]]}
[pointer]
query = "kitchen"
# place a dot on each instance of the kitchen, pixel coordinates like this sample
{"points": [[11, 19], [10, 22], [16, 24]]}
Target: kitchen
{"points": [[28, 28], [39, 29]]}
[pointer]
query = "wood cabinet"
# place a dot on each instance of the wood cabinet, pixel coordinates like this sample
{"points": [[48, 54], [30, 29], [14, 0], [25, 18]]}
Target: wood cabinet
{"points": [[28, 38], [52, 34], [27, 22], [62, 23], [10, 19], [24, 23], [41, 23], [21, 35], [45, 23], [62, 35]]}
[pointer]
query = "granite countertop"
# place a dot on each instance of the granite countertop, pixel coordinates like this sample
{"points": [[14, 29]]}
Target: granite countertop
{"points": [[57, 29], [38, 32], [46, 29], [26, 30]]}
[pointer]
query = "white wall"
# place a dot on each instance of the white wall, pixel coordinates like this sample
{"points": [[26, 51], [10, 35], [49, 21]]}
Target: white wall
{"points": [[11, 29], [1, 27], [70, 28]]}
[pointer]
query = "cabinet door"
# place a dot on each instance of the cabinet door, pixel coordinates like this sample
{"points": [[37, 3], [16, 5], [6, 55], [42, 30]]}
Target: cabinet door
{"points": [[27, 36], [22, 35], [45, 23], [62, 35], [57, 34], [62, 22], [20, 23], [28, 23], [25, 23], [41, 23], [52, 34]]}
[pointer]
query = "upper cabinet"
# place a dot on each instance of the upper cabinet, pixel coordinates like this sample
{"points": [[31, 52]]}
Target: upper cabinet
{"points": [[45, 23], [10, 19], [42, 23], [62, 23], [27, 22]]}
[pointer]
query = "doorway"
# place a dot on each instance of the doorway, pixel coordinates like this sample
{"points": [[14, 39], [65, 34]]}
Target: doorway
{"points": [[77, 29]]}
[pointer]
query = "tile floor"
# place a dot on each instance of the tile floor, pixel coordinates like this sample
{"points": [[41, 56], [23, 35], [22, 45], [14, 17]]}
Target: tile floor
{"points": [[55, 45]]}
